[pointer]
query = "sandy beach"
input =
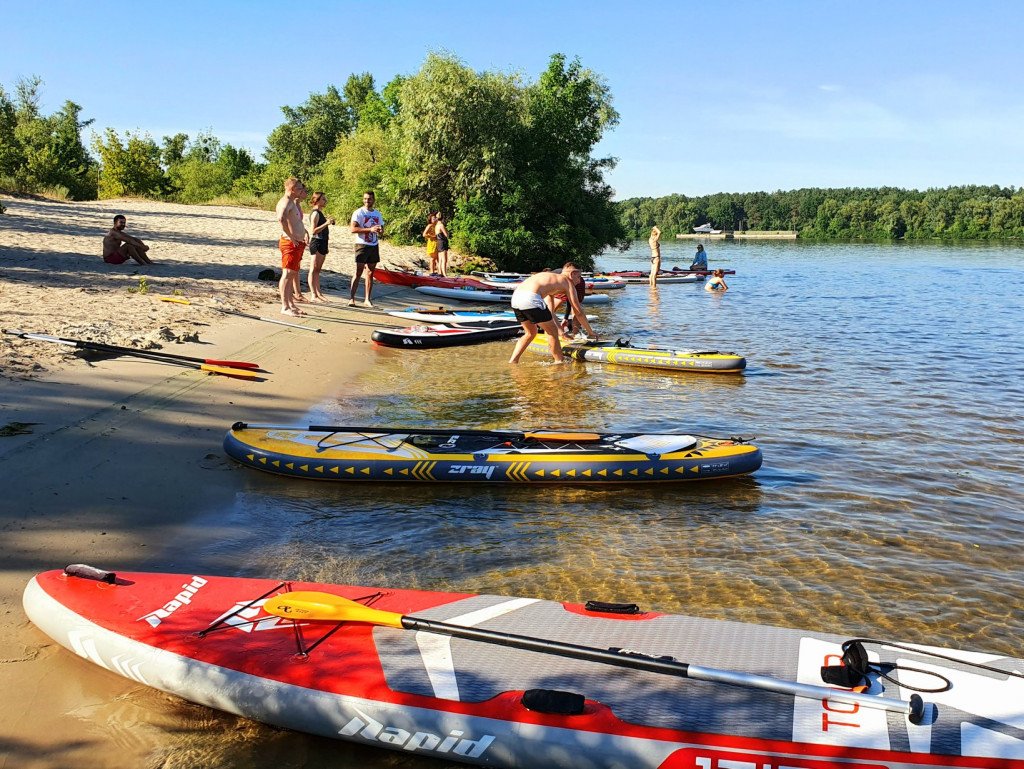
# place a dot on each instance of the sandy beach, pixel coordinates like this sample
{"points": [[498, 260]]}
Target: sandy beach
{"points": [[112, 460]]}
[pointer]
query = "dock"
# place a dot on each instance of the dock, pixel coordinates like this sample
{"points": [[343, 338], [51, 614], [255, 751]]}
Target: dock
{"points": [[740, 235]]}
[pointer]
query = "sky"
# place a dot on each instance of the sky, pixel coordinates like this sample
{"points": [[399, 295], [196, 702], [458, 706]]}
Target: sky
{"points": [[712, 97]]}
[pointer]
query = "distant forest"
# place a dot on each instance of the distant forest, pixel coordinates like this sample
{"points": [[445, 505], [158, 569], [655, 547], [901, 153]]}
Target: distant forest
{"points": [[884, 213]]}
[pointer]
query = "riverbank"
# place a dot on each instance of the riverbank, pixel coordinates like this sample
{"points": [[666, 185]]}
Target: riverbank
{"points": [[113, 461]]}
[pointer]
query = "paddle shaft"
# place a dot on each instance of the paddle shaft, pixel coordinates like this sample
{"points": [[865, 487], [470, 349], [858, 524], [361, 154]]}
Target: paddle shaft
{"points": [[665, 666], [265, 320], [508, 434], [241, 373], [113, 348]]}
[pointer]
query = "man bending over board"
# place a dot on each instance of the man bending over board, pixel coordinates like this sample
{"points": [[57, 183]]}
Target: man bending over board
{"points": [[118, 247], [533, 303]]}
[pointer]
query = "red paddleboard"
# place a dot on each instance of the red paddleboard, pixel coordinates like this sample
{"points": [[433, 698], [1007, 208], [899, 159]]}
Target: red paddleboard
{"points": [[211, 640]]}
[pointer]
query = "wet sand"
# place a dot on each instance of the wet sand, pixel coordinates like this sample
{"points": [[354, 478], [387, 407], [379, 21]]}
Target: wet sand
{"points": [[119, 457]]}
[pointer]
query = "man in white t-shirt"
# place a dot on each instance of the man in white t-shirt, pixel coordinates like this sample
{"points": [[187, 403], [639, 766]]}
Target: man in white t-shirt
{"points": [[367, 225]]}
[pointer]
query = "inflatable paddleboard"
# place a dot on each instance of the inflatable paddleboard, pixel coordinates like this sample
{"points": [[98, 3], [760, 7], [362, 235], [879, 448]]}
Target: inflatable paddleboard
{"points": [[693, 361], [443, 335], [508, 682], [593, 284], [486, 456], [493, 295], [443, 315], [412, 279]]}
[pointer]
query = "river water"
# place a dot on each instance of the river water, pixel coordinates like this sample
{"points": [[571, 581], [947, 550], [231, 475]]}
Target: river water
{"points": [[884, 386]]}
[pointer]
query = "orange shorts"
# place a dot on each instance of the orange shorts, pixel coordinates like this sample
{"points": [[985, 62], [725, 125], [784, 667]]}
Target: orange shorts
{"points": [[291, 253]]}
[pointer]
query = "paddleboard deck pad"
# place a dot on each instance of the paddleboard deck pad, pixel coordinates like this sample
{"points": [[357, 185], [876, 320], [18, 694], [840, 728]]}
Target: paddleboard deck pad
{"points": [[209, 640], [694, 361], [404, 454]]}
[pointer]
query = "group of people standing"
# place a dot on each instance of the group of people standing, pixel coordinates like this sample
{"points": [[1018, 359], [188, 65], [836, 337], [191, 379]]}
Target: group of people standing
{"points": [[366, 224], [700, 262], [436, 235]]}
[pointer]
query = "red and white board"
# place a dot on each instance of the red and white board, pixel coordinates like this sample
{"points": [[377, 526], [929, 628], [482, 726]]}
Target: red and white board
{"points": [[209, 640]]}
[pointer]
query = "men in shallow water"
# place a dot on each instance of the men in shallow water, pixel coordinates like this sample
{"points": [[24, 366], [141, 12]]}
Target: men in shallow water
{"points": [[119, 247], [533, 303]]}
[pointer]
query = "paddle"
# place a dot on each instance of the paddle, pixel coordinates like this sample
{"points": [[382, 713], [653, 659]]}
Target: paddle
{"points": [[156, 357], [549, 435], [112, 348], [182, 300], [316, 606]]}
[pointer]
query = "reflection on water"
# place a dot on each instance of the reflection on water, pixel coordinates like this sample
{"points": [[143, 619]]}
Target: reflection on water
{"points": [[883, 385]]}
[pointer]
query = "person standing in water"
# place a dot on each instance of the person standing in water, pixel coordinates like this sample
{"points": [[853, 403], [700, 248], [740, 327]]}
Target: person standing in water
{"points": [[367, 225], [319, 234], [532, 302], [655, 243]]}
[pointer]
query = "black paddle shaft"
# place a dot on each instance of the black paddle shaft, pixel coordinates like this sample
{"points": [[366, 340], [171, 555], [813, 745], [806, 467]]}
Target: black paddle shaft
{"points": [[624, 658]]}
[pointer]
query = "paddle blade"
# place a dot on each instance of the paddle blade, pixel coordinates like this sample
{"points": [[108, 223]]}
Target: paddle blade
{"points": [[175, 299], [305, 605], [231, 363], [238, 373]]}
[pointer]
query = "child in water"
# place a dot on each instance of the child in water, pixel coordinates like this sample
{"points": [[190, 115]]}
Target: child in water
{"points": [[716, 282]]}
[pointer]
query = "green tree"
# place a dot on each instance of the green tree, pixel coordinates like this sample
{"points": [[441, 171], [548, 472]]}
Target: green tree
{"points": [[310, 131], [130, 166], [44, 151]]}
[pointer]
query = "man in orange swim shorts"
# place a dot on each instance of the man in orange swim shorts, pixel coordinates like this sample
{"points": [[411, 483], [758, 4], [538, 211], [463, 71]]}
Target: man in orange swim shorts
{"points": [[292, 243]]}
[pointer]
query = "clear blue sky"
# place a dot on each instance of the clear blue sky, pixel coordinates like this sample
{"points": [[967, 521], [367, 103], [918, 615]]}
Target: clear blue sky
{"points": [[713, 97]]}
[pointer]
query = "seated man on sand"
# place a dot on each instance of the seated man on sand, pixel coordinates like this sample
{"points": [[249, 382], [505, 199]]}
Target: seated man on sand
{"points": [[533, 302], [119, 247]]}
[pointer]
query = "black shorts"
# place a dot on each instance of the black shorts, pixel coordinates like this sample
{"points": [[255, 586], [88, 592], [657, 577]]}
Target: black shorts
{"points": [[367, 254], [442, 243], [317, 246], [532, 315]]}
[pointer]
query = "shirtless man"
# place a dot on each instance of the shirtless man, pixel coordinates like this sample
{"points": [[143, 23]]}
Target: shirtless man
{"points": [[292, 243], [533, 301], [118, 247]]}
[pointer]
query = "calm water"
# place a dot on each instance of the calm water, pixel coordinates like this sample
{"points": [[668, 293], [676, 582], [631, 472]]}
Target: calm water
{"points": [[884, 385]]}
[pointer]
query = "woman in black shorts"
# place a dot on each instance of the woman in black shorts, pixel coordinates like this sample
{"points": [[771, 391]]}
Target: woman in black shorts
{"points": [[319, 233], [442, 244]]}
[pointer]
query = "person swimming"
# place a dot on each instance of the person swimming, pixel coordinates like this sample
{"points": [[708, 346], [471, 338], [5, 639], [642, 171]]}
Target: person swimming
{"points": [[716, 282]]}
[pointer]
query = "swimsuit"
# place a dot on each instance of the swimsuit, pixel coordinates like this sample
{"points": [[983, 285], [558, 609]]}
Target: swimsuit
{"points": [[529, 307], [318, 243], [291, 253], [115, 257]]}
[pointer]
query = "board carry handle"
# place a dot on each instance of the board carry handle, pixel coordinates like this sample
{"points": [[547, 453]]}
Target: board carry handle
{"points": [[305, 606]]}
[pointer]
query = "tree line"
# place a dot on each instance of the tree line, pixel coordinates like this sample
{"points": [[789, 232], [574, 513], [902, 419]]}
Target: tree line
{"points": [[883, 213], [510, 162]]}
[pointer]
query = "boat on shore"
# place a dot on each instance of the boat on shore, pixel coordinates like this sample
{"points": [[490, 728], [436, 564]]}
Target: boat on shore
{"points": [[702, 361], [491, 294], [414, 279], [486, 456], [513, 682], [447, 334]]}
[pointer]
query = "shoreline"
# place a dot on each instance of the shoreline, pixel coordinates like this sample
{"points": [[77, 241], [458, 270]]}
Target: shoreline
{"points": [[124, 456]]}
